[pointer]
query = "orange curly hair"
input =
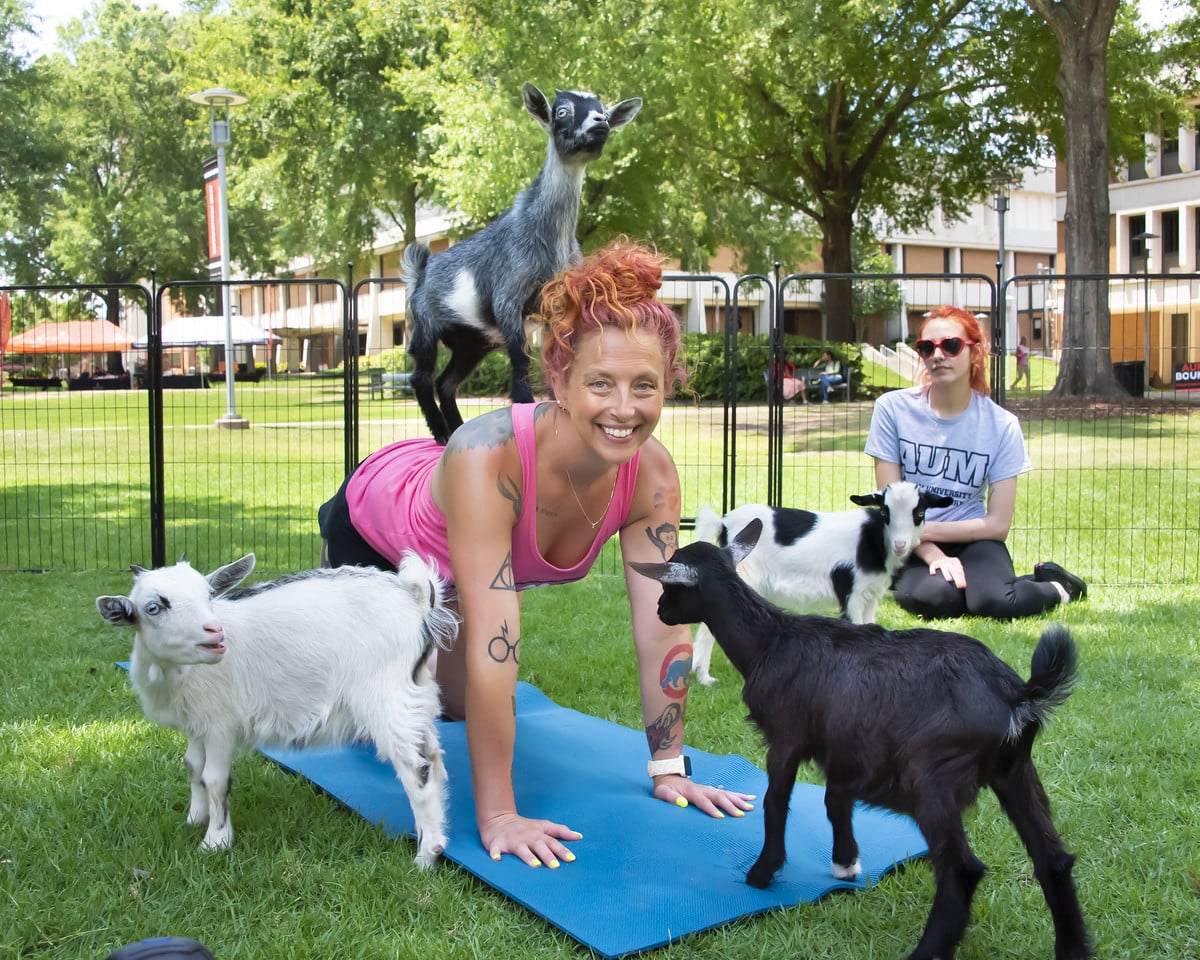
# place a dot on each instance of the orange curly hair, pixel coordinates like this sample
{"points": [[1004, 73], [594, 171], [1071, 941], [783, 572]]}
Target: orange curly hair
{"points": [[971, 329], [616, 286]]}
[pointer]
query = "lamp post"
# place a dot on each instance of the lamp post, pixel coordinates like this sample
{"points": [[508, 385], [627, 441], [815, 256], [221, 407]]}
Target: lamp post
{"points": [[1001, 189], [1145, 237], [219, 100]]}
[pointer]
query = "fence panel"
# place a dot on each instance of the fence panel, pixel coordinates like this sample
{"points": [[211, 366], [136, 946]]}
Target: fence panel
{"points": [[74, 432], [1113, 490], [247, 474], [118, 472]]}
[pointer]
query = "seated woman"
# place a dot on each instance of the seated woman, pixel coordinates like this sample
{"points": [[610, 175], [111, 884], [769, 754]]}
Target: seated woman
{"points": [[947, 435], [831, 374]]}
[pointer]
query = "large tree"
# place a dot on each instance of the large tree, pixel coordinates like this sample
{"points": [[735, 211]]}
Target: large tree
{"points": [[126, 196], [1082, 29], [28, 151], [339, 105]]}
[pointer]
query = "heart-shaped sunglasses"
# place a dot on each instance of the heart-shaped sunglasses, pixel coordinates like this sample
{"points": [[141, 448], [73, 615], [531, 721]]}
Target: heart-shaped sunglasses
{"points": [[951, 346]]}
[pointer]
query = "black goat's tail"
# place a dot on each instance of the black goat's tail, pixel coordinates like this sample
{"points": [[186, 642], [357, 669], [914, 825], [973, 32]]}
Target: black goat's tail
{"points": [[1052, 673], [413, 264]]}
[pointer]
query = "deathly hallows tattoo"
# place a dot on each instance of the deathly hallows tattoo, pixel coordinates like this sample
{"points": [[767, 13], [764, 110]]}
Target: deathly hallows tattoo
{"points": [[504, 579]]}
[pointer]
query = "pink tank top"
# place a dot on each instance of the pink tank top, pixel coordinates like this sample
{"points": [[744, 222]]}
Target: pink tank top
{"points": [[391, 506]]}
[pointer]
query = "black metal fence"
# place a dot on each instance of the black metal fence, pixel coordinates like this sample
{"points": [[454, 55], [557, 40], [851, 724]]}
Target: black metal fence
{"points": [[145, 463]]}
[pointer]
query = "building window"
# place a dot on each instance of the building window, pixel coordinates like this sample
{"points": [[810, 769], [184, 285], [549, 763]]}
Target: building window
{"points": [[1169, 154], [1137, 246], [1170, 239]]}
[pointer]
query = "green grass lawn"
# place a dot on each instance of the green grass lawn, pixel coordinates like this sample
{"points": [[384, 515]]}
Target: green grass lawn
{"points": [[1108, 497], [94, 851]]}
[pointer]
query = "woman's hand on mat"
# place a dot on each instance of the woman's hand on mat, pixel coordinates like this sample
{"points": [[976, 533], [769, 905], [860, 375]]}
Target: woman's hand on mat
{"points": [[715, 801], [537, 842]]}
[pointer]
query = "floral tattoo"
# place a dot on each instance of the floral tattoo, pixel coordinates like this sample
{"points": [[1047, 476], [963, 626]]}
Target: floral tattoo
{"points": [[661, 733]]}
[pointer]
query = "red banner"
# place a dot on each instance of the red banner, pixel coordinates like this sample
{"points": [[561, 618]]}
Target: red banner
{"points": [[5, 321], [212, 206]]}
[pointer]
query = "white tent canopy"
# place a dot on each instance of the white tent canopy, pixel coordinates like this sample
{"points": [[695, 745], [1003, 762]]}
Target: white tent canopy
{"points": [[210, 331]]}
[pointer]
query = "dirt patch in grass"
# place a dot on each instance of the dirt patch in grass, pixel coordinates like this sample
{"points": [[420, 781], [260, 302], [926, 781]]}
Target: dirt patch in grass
{"points": [[1096, 407]]}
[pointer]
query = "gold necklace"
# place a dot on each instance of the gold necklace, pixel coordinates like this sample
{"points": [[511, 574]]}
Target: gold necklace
{"points": [[612, 493]]}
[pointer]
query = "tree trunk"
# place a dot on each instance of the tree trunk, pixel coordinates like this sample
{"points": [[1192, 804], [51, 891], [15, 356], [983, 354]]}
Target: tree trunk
{"points": [[112, 313], [837, 321], [1082, 29]]}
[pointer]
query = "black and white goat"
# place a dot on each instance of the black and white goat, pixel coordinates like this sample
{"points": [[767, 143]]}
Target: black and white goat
{"points": [[322, 657], [475, 296], [916, 721], [849, 557]]}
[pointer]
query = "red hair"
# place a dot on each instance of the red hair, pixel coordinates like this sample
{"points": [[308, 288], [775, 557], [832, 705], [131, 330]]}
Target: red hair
{"points": [[616, 287], [980, 348]]}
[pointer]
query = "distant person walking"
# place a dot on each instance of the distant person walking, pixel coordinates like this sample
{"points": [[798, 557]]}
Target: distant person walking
{"points": [[1023, 366]]}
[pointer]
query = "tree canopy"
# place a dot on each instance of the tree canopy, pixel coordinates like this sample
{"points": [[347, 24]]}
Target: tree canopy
{"points": [[765, 131]]}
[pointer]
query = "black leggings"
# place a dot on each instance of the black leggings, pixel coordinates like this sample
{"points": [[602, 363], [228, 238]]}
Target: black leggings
{"points": [[344, 545], [993, 588]]}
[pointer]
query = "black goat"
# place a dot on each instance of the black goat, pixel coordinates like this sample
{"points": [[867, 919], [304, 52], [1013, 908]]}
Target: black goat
{"points": [[916, 721], [475, 296]]}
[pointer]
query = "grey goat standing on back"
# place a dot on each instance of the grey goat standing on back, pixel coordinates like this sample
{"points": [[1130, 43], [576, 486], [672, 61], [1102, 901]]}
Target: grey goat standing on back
{"points": [[474, 297]]}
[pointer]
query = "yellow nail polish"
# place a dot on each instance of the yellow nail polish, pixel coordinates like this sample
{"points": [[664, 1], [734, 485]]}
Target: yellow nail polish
{"points": [[569, 857], [495, 856], [553, 864], [535, 862], [720, 815], [681, 802], [738, 813]]}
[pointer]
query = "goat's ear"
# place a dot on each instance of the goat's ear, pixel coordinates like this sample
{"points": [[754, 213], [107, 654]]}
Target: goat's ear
{"points": [[936, 499], [744, 542], [118, 611], [669, 572], [868, 499], [136, 570], [623, 112], [229, 576], [537, 105]]}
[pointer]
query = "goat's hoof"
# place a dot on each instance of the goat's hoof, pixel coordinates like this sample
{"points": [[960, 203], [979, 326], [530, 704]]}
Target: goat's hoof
{"points": [[214, 842], [706, 681], [197, 818], [759, 877], [428, 859], [842, 872]]}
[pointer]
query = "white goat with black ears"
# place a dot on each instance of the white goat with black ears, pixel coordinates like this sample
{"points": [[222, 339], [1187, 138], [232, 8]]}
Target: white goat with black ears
{"points": [[326, 656], [474, 296], [848, 557], [915, 721]]}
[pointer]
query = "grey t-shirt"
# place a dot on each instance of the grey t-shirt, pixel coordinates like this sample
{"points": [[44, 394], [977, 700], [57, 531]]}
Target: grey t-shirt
{"points": [[960, 457]]}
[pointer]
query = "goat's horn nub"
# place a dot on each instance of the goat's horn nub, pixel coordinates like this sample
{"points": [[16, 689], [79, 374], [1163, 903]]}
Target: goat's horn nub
{"points": [[669, 572]]}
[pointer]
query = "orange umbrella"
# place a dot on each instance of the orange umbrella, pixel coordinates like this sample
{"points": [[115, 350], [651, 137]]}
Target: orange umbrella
{"points": [[71, 336]]}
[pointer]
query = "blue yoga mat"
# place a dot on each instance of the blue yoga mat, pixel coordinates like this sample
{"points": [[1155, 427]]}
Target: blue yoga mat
{"points": [[646, 872]]}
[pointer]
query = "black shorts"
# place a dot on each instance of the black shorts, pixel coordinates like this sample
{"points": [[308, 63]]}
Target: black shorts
{"points": [[346, 546]]}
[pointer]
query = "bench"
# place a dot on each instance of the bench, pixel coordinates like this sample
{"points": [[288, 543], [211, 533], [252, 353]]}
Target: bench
{"points": [[37, 383], [378, 381], [811, 378], [184, 381]]}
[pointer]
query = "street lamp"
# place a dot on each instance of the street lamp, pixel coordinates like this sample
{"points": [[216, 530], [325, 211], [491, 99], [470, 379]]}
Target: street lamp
{"points": [[219, 100], [1145, 237], [1002, 184]]}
